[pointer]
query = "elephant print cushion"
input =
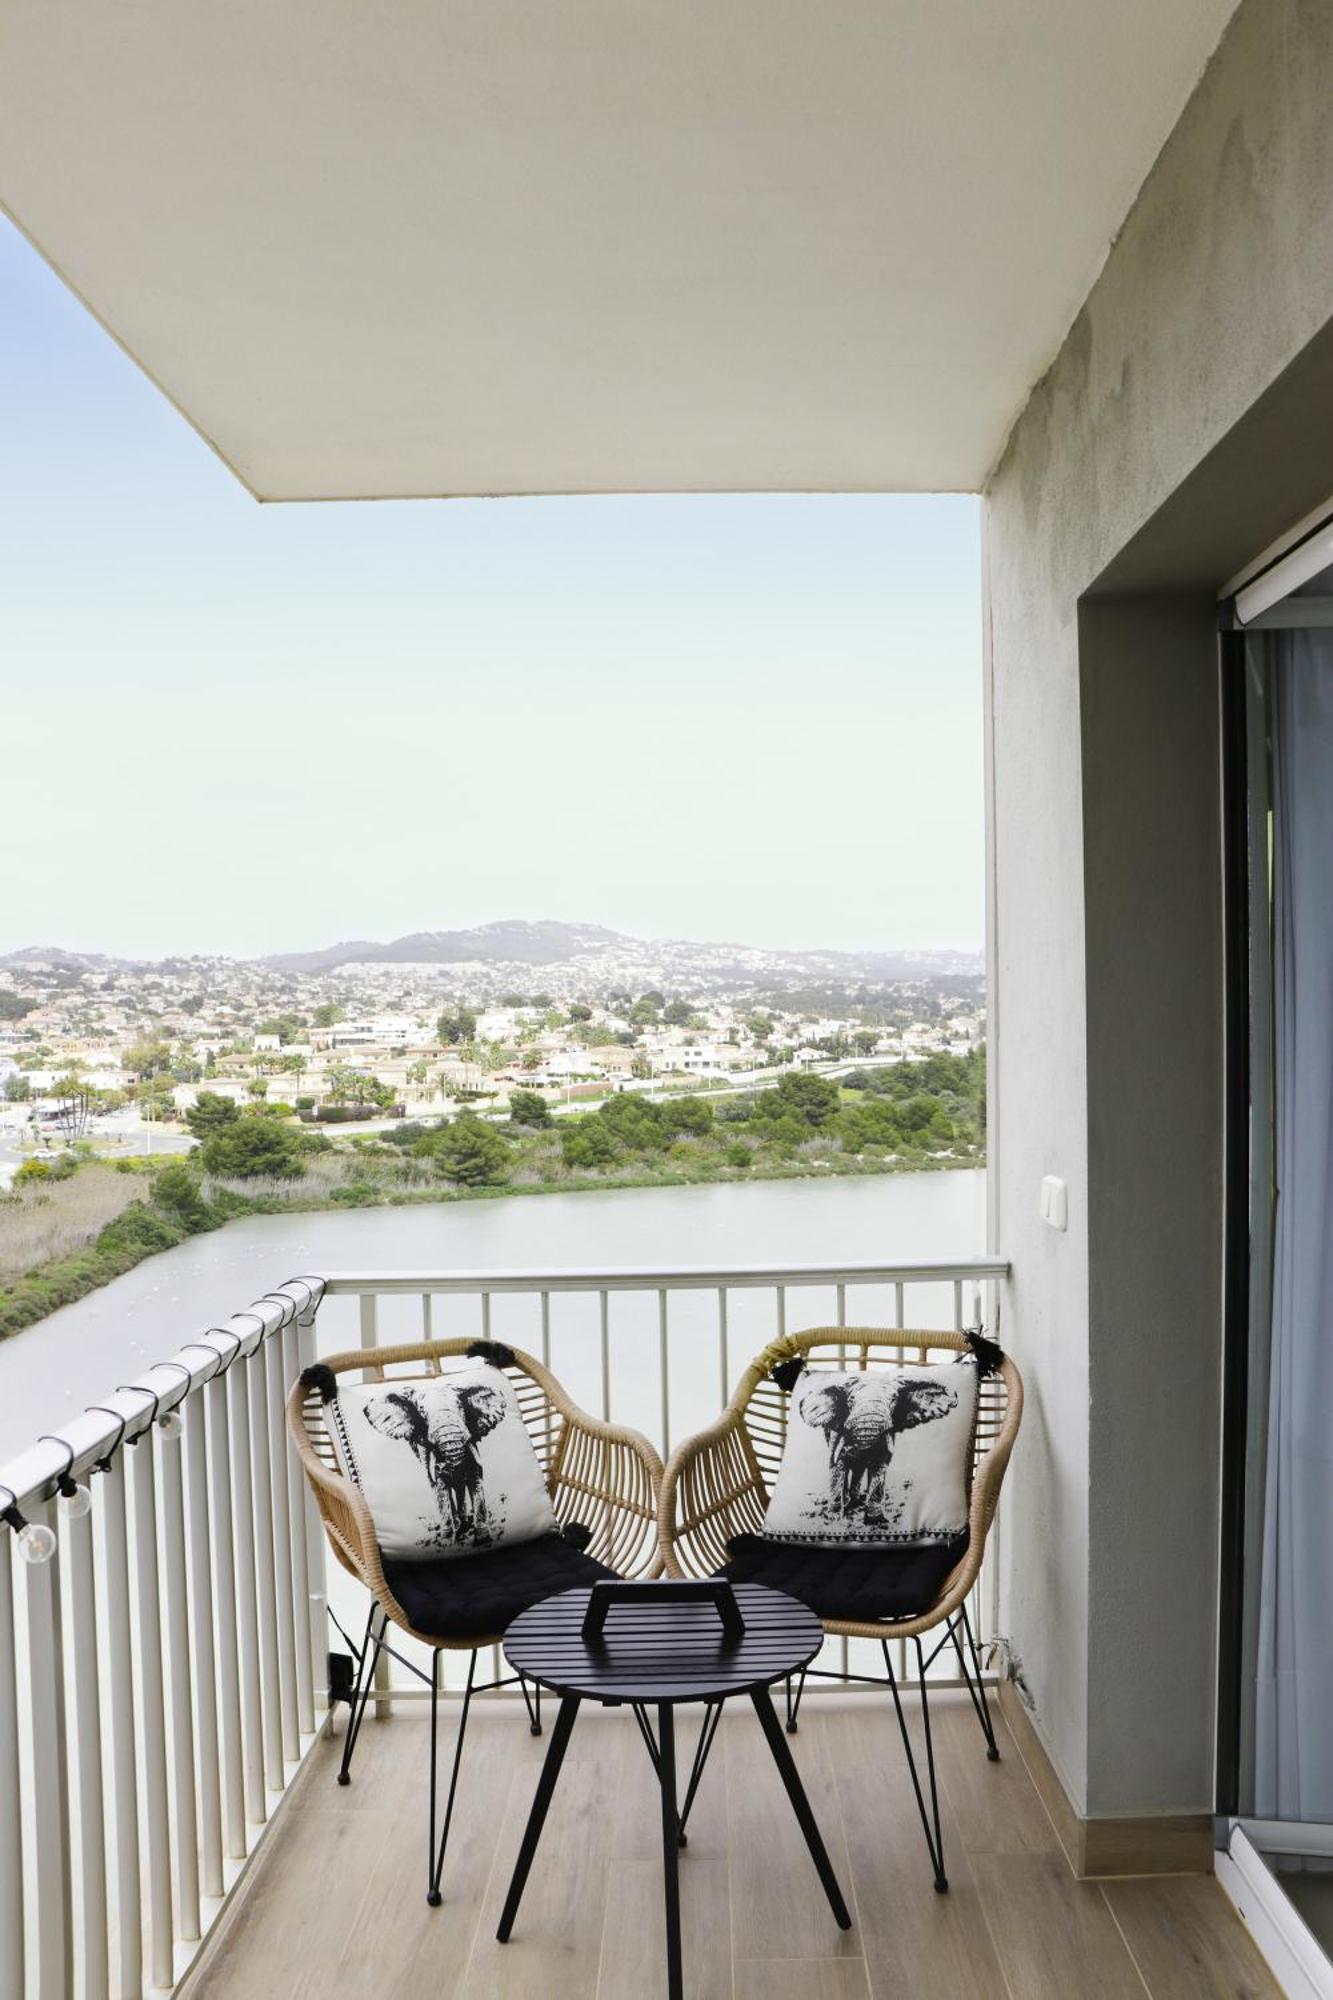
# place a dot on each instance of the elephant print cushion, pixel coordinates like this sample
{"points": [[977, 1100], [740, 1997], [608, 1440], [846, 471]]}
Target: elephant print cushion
{"points": [[443, 1462], [880, 1458]]}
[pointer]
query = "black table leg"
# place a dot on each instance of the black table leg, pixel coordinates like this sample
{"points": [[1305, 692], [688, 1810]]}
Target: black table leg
{"points": [[555, 1757], [666, 1759], [782, 1757]]}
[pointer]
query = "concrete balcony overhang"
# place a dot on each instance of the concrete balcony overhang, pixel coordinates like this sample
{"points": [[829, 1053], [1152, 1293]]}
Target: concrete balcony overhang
{"points": [[431, 249]]}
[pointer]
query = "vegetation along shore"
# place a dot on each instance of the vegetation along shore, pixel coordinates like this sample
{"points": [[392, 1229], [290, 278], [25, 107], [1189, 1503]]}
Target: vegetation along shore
{"points": [[72, 1225]]}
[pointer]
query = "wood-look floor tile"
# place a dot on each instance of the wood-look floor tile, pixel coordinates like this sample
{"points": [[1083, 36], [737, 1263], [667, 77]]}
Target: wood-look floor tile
{"points": [[916, 1942], [994, 1806], [1187, 1941], [633, 1960], [1053, 1934], [802, 1979], [555, 1950], [778, 1905]]}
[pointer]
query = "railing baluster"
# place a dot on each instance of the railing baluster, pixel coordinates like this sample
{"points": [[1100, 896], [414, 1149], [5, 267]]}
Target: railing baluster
{"points": [[223, 1526], [120, 1728], [957, 1305], [203, 1645], [50, 1777], [178, 1681], [664, 1365], [261, 1458], [427, 1316], [76, 1548], [782, 1310], [11, 1809], [604, 1302], [898, 1319], [485, 1315], [247, 1605], [275, 1373], [317, 1594], [151, 1709], [299, 1594], [370, 1320], [546, 1329], [723, 1352]]}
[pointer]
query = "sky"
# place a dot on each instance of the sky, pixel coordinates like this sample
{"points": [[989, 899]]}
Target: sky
{"points": [[227, 727]]}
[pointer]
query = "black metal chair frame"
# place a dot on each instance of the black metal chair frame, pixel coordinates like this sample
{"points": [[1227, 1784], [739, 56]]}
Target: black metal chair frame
{"points": [[976, 1688], [366, 1658]]}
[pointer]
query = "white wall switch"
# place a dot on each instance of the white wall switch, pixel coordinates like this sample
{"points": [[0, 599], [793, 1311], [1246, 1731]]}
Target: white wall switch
{"points": [[1054, 1204]]}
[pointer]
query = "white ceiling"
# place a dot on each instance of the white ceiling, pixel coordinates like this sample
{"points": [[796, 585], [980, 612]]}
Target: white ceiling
{"points": [[523, 246]]}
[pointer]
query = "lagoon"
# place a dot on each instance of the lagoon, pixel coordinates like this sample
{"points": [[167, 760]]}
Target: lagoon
{"points": [[73, 1358]]}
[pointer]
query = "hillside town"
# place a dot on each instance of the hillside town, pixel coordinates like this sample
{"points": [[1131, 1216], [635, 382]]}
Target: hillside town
{"points": [[113, 1054]]}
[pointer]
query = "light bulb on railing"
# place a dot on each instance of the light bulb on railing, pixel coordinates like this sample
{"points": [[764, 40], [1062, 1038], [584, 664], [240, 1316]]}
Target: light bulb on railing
{"points": [[75, 1500], [172, 1426], [37, 1542]]}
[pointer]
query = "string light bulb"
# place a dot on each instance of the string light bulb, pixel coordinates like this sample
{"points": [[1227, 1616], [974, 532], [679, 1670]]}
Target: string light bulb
{"points": [[172, 1425], [36, 1542], [76, 1500]]}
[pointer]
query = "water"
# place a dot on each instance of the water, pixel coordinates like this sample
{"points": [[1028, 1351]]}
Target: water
{"points": [[80, 1353]]}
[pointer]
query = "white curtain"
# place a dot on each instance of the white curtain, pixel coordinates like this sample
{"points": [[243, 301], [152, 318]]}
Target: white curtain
{"points": [[1294, 1719]]}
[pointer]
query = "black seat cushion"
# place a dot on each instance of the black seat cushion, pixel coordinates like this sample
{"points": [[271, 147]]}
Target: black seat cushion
{"points": [[475, 1597], [850, 1583]]}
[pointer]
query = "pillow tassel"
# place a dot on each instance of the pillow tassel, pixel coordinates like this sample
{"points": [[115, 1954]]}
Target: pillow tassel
{"points": [[989, 1354], [788, 1373], [493, 1351], [320, 1380]]}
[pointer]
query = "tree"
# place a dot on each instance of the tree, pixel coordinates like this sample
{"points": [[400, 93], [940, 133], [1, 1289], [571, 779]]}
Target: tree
{"points": [[580, 1012], [471, 1152], [13, 1006], [864, 1041], [456, 1025], [211, 1113], [328, 1015], [676, 1013], [813, 1099], [285, 1026], [147, 1058], [257, 1088], [17, 1088], [75, 1103], [358, 1086], [529, 1107], [254, 1145], [176, 1189], [586, 1142]]}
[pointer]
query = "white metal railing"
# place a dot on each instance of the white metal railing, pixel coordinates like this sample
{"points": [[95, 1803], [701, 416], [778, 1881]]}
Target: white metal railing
{"points": [[162, 1671]]}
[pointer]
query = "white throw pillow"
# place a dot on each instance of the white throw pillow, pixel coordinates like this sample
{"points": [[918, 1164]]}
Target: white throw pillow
{"points": [[444, 1462], [876, 1458]]}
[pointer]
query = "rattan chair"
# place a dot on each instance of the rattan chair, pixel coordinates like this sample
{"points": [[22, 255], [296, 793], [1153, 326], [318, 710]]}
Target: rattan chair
{"points": [[603, 1481], [717, 1485]]}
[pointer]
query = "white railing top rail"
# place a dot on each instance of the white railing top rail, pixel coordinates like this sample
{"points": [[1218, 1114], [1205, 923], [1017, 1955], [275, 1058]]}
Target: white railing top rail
{"points": [[32, 1475], [675, 1277]]}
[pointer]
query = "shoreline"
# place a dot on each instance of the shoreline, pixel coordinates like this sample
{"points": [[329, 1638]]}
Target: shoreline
{"points": [[28, 1300]]}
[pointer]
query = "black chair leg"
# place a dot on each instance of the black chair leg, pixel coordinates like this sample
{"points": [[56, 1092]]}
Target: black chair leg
{"points": [[930, 1819], [809, 1825], [533, 1703], [794, 1707], [976, 1687], [362, 1687], [555, 1757], [434, 1855]]}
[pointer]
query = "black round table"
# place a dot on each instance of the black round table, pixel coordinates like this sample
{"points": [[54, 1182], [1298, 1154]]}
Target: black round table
{"points": [[657, 1645]]}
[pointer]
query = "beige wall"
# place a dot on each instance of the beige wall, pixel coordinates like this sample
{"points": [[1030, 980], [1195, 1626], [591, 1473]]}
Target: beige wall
{"points": [[1186, 420]]}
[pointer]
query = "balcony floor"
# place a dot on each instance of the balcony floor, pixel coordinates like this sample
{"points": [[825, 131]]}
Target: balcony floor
{"points": [[335, 1904]]}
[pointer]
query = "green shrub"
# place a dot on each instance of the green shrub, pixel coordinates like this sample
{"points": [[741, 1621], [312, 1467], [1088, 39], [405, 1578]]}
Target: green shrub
{"points": [[249, 1148]]}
